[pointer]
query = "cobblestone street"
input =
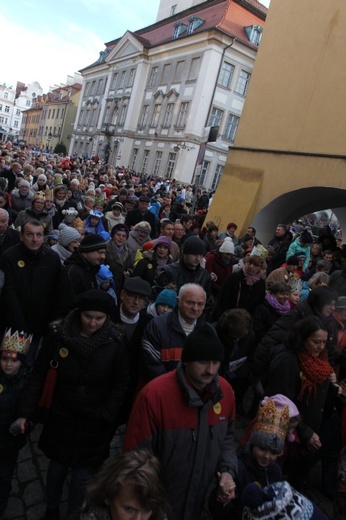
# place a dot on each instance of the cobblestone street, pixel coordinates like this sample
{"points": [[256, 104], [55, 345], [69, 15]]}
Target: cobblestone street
{"points": [[27, 500]]}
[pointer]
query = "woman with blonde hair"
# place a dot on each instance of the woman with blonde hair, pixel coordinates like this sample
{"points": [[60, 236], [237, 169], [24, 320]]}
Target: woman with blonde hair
{"points": [[129, 487]]}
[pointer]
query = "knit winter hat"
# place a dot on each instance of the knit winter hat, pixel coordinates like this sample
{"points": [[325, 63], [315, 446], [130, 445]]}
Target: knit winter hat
{"points": [[42, 177], [271, 426], [167, 297], [67, 235], [292, 260], [25, 183], [163, 240], [95, 300], [119, 227], [227, 246], [277, 501], [92, 242], [118, 205], [203, 344], [193, 246]]}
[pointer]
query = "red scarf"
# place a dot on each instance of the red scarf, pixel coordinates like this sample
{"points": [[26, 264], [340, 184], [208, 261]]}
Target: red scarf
{"points": [[314, 372]]}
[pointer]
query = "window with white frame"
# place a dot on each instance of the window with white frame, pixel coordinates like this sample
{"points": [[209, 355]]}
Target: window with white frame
{"points": [[0, 106], [93, 86], [100, 87], [194, 23], [170, 165], [122, 116], [231, 128], [87, 88], [200, 179], [16, 123], [173, 9], [226, 74], [181, 121], [5, 95], [145, 161], [1, 119], [168, 115], [153, 76], [243, 82], [28, 103], [131, 77], [215, 117], [17, 112], [134, 158], [179, 28], [144, 117], [7, 109], [157, 164], [254, 33], [122, 79], [156, 115], [217, 176]]}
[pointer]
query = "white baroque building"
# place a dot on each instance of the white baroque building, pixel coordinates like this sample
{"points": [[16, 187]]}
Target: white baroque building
{"points": [[12, 103], [153, 96]]}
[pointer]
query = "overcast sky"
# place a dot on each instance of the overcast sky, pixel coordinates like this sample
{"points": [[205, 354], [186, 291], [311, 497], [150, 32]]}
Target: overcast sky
{"points": [[45, 41]]}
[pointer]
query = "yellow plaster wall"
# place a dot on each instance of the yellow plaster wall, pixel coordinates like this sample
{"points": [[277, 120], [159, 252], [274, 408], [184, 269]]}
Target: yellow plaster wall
{"points": [[296, 103]]}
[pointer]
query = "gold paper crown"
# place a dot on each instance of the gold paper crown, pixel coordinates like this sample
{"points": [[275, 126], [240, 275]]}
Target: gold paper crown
{"points": [[79, 225], [295, 285], [40, 196], [17, 342], [49, 194], [272, 420]]}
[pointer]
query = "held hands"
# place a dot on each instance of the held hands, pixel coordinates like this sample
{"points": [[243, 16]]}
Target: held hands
{"points": [[332, 378], [19, 426], [226, 488], [314, 443]]}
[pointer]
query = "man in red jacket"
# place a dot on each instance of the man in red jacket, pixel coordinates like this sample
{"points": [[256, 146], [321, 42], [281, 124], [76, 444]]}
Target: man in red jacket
{"points": [[185, 418]]}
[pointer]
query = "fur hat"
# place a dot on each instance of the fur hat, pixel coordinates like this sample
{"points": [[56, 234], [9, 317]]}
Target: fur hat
{"points": [[92, 242], [274, 502], [227, 246], [167, 297], [203, 344], [67, 235], [95, 300], [193, 246]]}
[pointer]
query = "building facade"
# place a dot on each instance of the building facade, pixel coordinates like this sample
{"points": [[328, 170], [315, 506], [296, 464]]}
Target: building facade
{"points": [[51, 118], [153, 96], [12, 104]]}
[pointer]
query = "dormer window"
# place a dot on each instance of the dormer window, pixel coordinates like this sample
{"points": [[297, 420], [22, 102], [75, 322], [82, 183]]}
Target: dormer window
{"points": [[254, 33], [179, 28], [194, 22]]}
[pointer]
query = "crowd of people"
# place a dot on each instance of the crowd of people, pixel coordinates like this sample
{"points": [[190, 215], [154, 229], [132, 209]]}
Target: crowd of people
{"points": [[124, 310]]}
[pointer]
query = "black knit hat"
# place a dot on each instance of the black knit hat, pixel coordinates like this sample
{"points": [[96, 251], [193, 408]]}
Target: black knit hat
{"points": [[193, 246], [95, 300], [92, 242], [203, 344]]}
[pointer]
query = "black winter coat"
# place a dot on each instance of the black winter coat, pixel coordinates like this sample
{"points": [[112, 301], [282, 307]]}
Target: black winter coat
{"points": [[88, 395], [28, 298], [285, 378], [77, 276], [276, 336], [235, 293]]}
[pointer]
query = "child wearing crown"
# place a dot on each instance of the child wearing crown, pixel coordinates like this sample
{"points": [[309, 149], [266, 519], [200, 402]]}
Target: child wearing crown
{"points": [[13, 378], [264, 443]]}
